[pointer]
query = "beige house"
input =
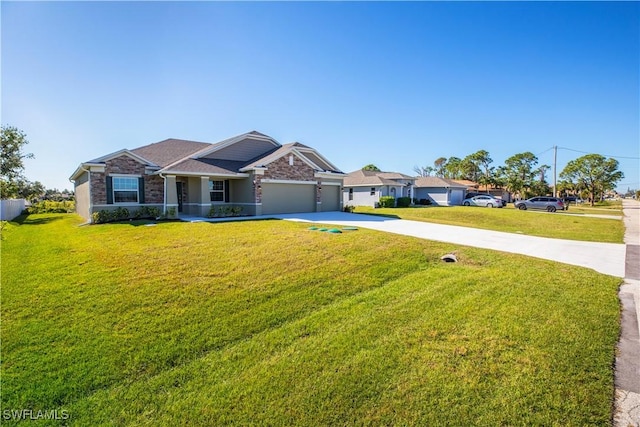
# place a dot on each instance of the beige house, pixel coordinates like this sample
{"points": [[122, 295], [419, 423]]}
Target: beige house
{"points": [[364, 187], [251, 172]]}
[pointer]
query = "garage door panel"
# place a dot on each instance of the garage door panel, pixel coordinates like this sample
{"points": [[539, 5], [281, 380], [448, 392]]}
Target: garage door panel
{"points": [[330, 198], [288, 198]]}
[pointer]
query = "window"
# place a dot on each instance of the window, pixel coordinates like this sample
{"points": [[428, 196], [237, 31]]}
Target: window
{"points": [[125, 189], [373, 191], [216, 190], [351, 194]]}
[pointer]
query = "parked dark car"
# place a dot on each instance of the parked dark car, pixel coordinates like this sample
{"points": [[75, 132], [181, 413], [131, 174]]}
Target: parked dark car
{"points": [[470, 195], [549, 204], [570, 199]]}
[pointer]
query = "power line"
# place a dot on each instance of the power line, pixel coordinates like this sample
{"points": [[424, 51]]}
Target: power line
{"points": [[548, 149], [605, 155]]}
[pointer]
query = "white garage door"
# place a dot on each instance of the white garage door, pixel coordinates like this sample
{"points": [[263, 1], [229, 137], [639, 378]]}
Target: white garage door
{"points": [[330, 197], [288, 198]]}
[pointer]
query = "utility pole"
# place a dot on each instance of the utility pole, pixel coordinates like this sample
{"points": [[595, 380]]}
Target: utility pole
{"points": [[555, 160]]}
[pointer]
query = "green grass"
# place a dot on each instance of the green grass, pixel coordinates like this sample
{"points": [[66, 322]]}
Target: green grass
{"points": [[510, 220], [269, 323]]}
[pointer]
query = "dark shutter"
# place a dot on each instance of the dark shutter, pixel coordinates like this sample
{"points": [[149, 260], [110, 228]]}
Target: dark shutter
{"points": [[109, 190], [140, 190], [226, 191]]}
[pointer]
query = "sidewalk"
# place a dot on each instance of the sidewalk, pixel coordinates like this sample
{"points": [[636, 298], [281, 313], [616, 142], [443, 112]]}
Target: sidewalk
{"points": [[627, 370]]}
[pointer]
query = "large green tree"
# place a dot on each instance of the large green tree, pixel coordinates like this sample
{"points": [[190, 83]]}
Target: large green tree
{"points": [[12, 160], [519, 173], [453, 168], [483, 172], [594, 172]]}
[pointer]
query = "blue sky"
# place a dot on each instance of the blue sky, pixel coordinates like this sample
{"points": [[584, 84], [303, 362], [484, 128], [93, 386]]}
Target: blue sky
{"points": [[394, 84]]}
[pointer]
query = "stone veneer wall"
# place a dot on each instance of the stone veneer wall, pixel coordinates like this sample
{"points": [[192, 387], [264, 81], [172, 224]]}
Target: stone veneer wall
{"points": [[153, 184], [281, 169]]}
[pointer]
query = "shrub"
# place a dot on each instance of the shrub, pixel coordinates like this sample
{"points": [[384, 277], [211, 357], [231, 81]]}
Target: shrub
{"points": [[120, 214], [50, 206], [224, 211], [349, 208], [213, 212], [403, 202], [147, 212], [424, 202], [101, 217], [387, 202]]}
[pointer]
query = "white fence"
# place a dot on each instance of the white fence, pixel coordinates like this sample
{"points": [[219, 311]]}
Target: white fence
{"points": [[11, 208]]}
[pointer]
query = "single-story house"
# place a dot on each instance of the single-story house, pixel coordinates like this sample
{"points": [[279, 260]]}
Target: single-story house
{"points": [[365, 187], [251, 172], [474, 187], [440, 191]]}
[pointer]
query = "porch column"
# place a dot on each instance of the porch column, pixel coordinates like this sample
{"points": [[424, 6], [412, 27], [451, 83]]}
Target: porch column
{"points": [[205, 198], [171, 194]]}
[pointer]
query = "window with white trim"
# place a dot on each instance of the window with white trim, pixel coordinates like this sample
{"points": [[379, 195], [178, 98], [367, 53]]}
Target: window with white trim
{"points": [[125, 189], [373, 191], [216, 190], [351, 194]]}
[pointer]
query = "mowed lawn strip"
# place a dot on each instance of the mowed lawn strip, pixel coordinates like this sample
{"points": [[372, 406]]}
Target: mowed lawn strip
{"points": [[267, 322], [510, 220]]}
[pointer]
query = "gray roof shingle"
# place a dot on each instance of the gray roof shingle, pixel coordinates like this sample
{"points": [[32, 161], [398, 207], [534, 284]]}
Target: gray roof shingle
{"points": [[171, 150]]}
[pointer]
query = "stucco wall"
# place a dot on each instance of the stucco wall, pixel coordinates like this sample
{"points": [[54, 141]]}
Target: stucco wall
{"points": [[361, 196], [81, 190]]}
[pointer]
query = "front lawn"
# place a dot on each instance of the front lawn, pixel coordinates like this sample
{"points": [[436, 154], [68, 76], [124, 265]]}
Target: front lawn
{"points": [[510, 220], [270, 323]]}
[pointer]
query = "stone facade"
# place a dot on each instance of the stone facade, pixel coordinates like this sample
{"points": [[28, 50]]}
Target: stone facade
{"points": [[281, 169], [153, 189], [98, 188], [153, 184]]}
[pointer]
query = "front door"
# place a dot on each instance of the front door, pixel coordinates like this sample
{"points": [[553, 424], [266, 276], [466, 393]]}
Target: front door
{"points": [[179, 191]]}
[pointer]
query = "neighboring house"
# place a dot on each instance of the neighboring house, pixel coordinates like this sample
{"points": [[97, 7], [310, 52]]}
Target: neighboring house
{"points": [[472, 186], [364, 187], [494, 191], [440, 191], [250, 171]]}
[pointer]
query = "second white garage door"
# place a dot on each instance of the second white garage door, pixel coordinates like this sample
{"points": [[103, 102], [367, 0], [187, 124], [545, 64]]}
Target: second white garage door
{"points": [[288, 198]]}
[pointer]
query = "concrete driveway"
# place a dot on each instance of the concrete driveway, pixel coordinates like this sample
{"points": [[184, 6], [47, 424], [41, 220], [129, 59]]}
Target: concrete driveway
{"points": [[607, 258]]}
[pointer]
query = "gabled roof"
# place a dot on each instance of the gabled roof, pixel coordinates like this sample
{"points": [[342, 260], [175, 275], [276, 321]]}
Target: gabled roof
{"points": [[123, 152], [467, 183], [373, 178], [179, 156], [437, 182], [305, 153], [212, 148], [169, 151], [204, 167], [394, 175]]}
